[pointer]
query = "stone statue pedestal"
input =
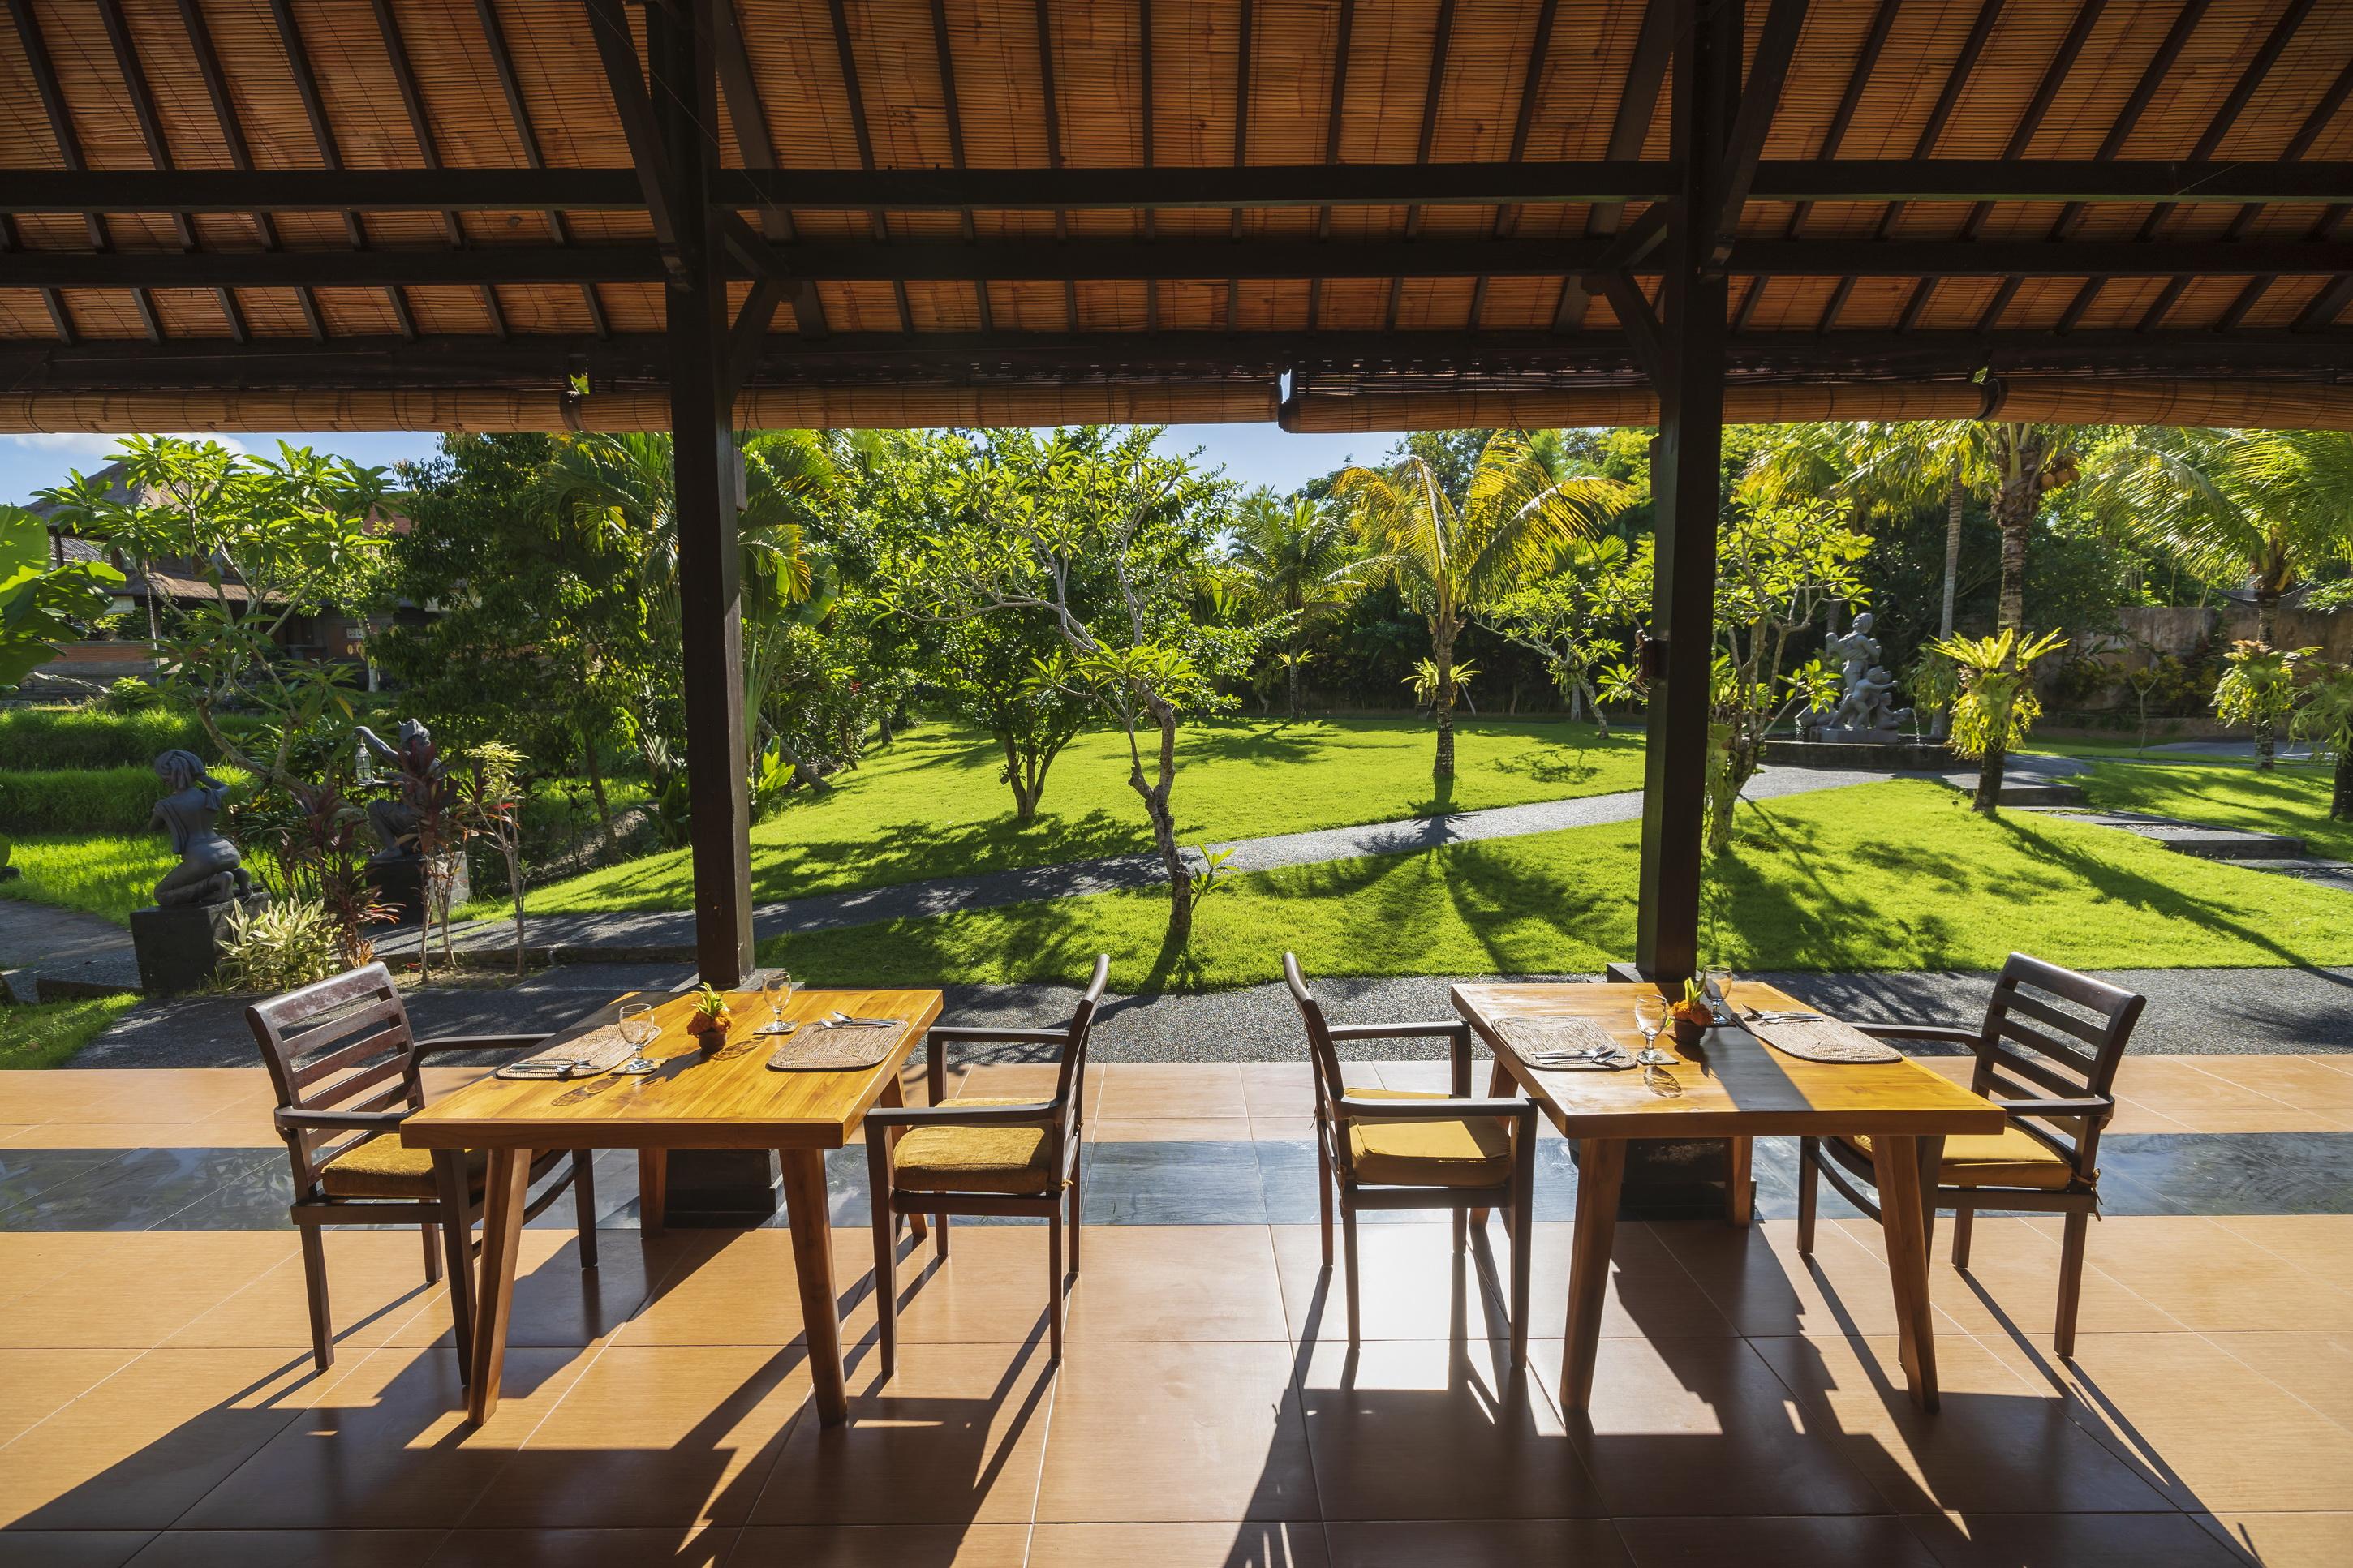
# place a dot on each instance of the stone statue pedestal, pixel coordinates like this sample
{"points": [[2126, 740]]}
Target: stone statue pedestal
{"points": [[178, 947], [400, 882]]}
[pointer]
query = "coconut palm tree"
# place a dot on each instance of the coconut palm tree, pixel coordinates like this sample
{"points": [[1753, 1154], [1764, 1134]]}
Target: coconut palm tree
{"points": [[1295, 560], [1453, 555]]}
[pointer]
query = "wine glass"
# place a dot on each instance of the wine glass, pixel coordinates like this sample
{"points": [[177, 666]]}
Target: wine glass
{"points": [[1651, 1016], [640, 1030], [776, 990], [1718, 983]]}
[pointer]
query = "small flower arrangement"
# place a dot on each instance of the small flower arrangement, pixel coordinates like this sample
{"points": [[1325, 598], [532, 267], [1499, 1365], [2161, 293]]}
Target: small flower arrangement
{"points": [[1692, 1015], [708, 1021]]}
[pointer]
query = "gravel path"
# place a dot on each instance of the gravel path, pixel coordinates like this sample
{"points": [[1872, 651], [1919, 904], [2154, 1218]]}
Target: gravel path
{"points": [[38, 942]]}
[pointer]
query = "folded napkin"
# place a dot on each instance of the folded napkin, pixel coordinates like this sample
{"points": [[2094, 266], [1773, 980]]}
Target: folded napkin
{"points": [[1553, 1044], [1812, 1037], [582, 1056]]}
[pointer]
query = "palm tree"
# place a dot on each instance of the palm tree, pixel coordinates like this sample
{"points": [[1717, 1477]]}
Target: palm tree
{"points": [[2262, 504], [1453, 555], [1293, 559]]}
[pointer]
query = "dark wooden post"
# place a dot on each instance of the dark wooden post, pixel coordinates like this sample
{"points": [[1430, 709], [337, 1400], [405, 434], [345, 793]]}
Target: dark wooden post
{"points": [[709, 481], [1685, 480]]}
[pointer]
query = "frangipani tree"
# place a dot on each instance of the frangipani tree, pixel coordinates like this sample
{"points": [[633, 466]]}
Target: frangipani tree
{"points": [[1289, 564], [1451, 556], [40, 599], [1995, 706]]}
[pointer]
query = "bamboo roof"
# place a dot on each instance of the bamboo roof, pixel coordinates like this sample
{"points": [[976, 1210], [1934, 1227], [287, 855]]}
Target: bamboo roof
{"points": [[1346, 214]]}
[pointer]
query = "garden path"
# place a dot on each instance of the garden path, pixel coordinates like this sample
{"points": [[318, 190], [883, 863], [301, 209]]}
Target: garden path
{"points": [[70, 953]]}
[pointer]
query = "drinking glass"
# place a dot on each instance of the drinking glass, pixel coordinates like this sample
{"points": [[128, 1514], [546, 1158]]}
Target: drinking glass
{"points": [[1651, 1016], [1718, 983], [776, 990], [640, 1030]]}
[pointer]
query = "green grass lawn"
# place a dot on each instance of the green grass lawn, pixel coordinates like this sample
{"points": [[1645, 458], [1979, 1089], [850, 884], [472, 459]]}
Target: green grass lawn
{"points": [[47, 1034], [1888, 876], [2293, 800], [108, 874], [931, 804]]}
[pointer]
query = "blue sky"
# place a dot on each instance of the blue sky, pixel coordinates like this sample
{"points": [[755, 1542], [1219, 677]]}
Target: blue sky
{"points": [[1253, 454]]}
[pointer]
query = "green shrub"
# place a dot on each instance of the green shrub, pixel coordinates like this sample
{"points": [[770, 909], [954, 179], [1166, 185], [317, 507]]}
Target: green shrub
{"points": [[44, 738], [89, 800], [128, 695], [279, 947]]}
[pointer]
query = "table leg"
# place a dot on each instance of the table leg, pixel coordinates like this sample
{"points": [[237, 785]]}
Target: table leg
{"points": [[1739, 1186], [1895, 1165], [504, 1195], [653, 1190], [1601, 1167], [805, 1206]]}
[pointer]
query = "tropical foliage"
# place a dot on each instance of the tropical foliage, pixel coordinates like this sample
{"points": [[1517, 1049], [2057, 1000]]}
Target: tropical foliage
{"points": [[2258, 690], [42, 600], [1996, 705]]}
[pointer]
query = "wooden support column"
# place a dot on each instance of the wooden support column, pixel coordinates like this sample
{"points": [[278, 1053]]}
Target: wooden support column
{"points": [[709, 479], [1685, 477]]}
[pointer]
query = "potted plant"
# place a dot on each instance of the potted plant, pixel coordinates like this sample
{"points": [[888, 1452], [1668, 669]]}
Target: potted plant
{"points": [[1692, 1015], [709, 1019]]}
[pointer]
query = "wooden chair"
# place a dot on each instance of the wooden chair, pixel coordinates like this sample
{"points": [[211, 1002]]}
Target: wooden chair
{"points": [[346, 1068], [982, 1156], [2058, 1094], [1404, 1148]]}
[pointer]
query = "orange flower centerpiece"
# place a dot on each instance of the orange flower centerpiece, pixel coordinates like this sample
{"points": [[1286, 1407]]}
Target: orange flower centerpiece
{"points": [[709, 1020], [1692, 1015]]}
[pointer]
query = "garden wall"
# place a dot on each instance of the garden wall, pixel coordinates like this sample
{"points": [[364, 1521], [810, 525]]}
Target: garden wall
{"points": [[2182, 630]]}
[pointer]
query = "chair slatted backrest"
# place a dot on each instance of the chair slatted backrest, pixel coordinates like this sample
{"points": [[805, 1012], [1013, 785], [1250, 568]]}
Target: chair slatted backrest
{"points": [[339, 1044], [1329, 1087], [2052, 1032], [1071, 1082]]}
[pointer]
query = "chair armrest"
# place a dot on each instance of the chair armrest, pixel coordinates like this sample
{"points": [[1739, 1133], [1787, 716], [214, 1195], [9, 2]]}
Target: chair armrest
{"points": [[1919, 1032], [440, 1043], [2097, 1105], [883, 1116], [1398, 1031], [978, 1037], [1349, 1110], [295, 1121]]}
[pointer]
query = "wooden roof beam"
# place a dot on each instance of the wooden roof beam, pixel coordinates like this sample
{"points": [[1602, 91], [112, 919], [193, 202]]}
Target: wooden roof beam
{"points": [[1144, 131], [159, 148], [323, 132], [240, 153], [1442, 41], [428, 151], [625, 77], [1053, 103], [1776, 46], [945, 50], [2298, 145], [62, 128], [757, 143], [846, 58], [1646, 73], [1343, 34], [1508, 213], [494, 39]]}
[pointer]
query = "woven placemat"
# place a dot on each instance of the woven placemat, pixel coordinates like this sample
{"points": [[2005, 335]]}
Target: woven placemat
{"points": [[600, 1050], [1545, 1042], [1824, 1040], [815, 1049]]}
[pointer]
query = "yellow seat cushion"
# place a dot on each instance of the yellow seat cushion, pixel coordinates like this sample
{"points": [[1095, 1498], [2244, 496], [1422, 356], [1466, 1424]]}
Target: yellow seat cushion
{"points": [[2010, 1158], [1014, 1160], [384, 1167], [1475, 1151]]}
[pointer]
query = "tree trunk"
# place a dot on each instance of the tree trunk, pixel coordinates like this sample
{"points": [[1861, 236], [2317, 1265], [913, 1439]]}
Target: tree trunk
{"points": [[2340, 804], [2266, 623], [1442, 765], [596, 781], [1940, 724], [1292, 673], [1591, 700], [1164, 821], [1987, 802], [2015, 505], [882, 728]]}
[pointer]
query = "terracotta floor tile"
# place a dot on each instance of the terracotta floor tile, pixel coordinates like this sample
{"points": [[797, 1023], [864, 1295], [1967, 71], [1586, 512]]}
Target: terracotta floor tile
{"points": [[133, 1094], [290, 1548], [2207, 1276], [695, 1546], [2315, 1367], [734, 1288], [1702, 1426], [137, 1451], [1139, 1090], [1428, 1077], [1415, 1286], [2132, 1116], [953, 1437], [1175, 1432], [2072, 1540], [1278, 1089], [34, 1382], [873, 1546], [2304, 1083], [249, 1132], [73, 1548], [1477, 1543], [991, 1288], [376, 1283], [2183, 1088], [2287, 1540], [2191, 1419], [1432, 1429], [1758, 1280], [387, 1445], [1272, 1544], [1650, 1292], [137, 1288], [2320, 1244], [1782, 1542], [671, 1435], [2011, 1285], [558, 1303], [30, 1259], [1170, 1129], [1023, 1079], [1176, 1282], [1284, 1129], [1998, 1444]]}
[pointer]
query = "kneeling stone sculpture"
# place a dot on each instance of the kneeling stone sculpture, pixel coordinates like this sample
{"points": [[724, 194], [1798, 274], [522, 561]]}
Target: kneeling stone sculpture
{"points": [[177, 939]]}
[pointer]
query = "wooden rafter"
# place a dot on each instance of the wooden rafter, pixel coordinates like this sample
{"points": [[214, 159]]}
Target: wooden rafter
{"points": [[944, 50], [1343, 34], [241, 152], [322, 135], [1442, 41], [2298, 145], [846, 57], [1508, 213], [1653, 48], [428, 151], [1052, 100], [62, 128], [757, 142], [494, 39]]}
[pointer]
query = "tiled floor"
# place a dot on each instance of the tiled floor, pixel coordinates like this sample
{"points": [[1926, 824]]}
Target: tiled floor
{"points": [[157, 1403]]}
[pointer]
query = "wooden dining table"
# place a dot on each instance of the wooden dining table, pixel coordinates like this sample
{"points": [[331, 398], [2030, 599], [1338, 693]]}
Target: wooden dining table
{"points": [[726, 1098], [1728, 1084]]}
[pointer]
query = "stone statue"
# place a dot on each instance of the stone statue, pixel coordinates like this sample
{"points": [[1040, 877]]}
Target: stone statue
{"points": [[1865, 710], [210, 871], [393, 819]]}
